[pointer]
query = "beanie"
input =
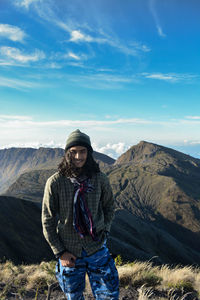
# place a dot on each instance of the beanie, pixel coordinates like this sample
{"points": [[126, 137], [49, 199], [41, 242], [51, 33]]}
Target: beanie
{"points": [[78, 138]]}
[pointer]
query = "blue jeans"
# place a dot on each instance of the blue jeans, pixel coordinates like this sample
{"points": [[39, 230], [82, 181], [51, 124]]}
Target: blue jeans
{"points": [[101, 271]]}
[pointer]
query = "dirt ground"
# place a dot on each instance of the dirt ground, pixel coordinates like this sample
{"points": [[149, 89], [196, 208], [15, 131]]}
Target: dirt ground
{"points": [[57, 294]]}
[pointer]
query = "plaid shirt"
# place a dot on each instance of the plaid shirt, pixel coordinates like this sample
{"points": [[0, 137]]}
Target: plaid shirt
{"points": [[57, 214]]}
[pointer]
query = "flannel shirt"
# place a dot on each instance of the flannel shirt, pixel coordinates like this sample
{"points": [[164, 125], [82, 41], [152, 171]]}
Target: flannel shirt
{"points": [[57, 214]]}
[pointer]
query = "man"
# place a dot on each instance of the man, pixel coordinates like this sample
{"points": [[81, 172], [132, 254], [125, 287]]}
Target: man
{"points": [[76, 217]]}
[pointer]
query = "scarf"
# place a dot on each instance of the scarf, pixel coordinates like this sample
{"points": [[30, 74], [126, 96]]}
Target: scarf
{"points": [[82, 218]]}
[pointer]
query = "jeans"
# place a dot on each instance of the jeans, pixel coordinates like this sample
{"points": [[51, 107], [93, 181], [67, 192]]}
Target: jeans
{"points": [[102, 273]]}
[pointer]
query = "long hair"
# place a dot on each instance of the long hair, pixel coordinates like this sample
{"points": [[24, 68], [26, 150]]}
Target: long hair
{"points": [[67, 168]]}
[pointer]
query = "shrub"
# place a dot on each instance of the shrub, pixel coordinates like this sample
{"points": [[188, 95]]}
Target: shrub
{"points": [[118, 260], [148, 279], [183, 285]]}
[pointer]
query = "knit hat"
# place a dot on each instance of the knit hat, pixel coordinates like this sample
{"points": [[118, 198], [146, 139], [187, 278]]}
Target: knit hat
{"points": [[78, 138]]}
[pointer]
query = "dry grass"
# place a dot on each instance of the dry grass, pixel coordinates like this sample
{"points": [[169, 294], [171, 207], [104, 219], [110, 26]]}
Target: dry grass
{"points": [[144, 293], [145, 276], [141, 275], [185, 277], [23, 278]]}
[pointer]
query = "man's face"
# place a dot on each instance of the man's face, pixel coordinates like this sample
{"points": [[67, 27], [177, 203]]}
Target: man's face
{"points": [[78, 155]]}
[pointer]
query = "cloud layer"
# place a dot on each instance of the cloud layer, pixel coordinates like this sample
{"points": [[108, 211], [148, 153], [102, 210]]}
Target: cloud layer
{"points": [[24, 131]]}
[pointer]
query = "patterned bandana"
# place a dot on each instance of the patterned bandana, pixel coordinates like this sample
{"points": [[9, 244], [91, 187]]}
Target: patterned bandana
{"points": [[82, 218]]}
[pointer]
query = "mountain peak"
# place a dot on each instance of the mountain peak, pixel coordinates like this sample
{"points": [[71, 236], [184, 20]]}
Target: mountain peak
{"points": [[141, 151], [145, 152]]}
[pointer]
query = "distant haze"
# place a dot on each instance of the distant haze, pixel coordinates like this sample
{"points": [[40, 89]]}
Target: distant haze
{"points": [[112, 150]]}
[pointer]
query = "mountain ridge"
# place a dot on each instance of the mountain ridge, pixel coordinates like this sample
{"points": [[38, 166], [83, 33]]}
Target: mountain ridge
{"points": [[156, 185], [16, 161], [144, 150]]}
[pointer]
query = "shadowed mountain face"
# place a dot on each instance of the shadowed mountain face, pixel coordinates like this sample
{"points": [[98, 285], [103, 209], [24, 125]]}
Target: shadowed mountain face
{"points": [[21, 231], [16, 161], [157, 194], [139, 239], [22, 240]]}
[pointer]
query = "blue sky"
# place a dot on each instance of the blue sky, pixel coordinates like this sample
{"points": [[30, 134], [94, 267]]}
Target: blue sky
{"points": [[121, 71]]}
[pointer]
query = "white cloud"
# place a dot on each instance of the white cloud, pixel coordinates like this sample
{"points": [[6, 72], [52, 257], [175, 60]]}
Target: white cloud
{"points": [[35, 145], [17, 55], [26, 3], [4, 62], [11, 117], [160, 31], [170, 77], [193, 117], [160, 76], [77, 36], [23, 121], [190, 121], [9, 122], [52, 65], [156, 18], [73, 55], [113, 150], [79, 123], [12, 33], [17, 84], [189, 142], [102, 81], [140, 47], [132, 48]]}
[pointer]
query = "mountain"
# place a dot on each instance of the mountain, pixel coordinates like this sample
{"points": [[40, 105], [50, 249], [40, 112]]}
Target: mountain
{"points": [[16, 161], [21, 232], [157, 195], [30, 185], [159, 179], [160, 185]]}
